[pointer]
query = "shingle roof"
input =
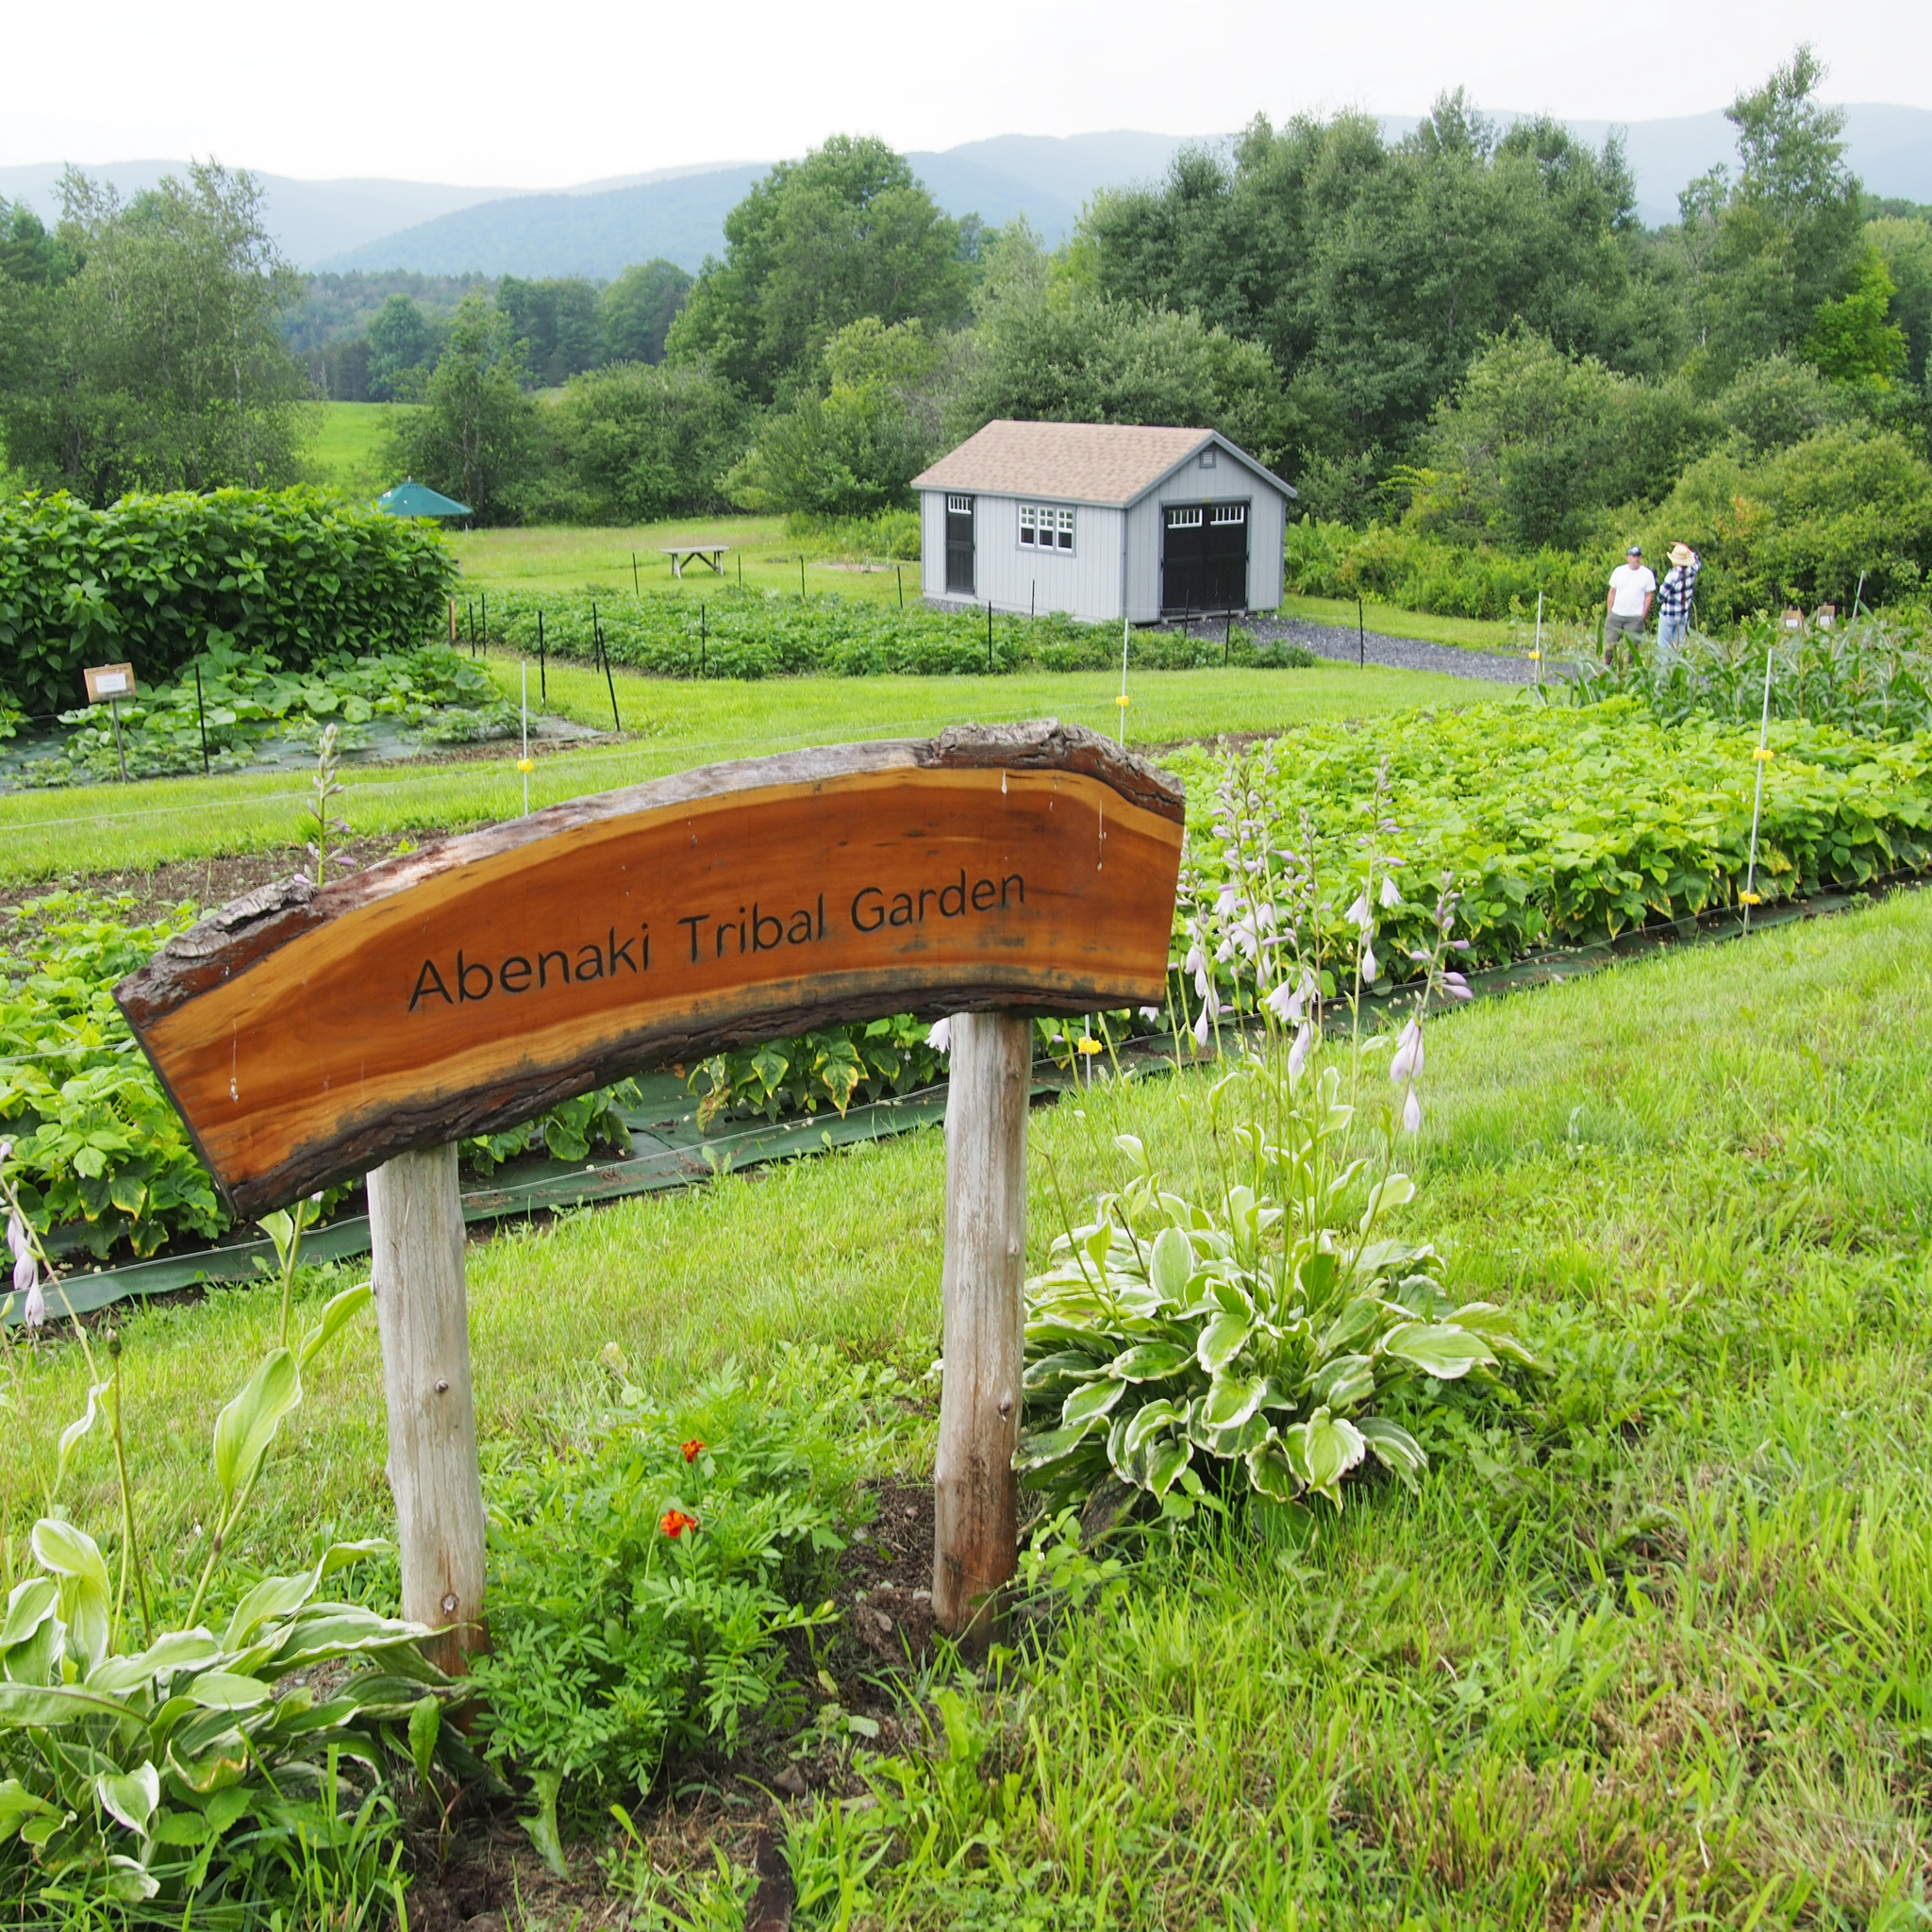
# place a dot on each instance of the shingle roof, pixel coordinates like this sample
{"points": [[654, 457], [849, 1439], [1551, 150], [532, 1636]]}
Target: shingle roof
{"points": [[1086, 462]]}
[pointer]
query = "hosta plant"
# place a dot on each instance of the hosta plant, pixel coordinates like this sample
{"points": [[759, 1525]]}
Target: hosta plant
{"points": [[1253, 1340]]}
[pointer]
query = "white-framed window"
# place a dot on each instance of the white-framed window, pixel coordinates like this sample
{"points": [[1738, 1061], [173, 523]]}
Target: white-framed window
{"points": [[959, 506], [1230, 513], [1045, 526], [1187, 518]]}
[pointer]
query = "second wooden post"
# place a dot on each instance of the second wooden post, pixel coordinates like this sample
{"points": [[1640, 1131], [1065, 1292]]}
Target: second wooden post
{"points": [[976, 1498], [421, 1309]]}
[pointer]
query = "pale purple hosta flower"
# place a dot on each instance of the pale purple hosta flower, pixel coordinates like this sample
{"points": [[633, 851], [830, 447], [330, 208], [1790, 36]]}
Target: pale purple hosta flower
{"points": [[1298, 1053], [27, 1282], [1150, 1012], [1413, 1112], [16, 1234], [1456, 987], [940, 1037], [1225, 901], [1372, 968], [1405, 1066], [1359, 916], [1201, 1029], [1196, 963], [1390, 896], [1284, 1003]]}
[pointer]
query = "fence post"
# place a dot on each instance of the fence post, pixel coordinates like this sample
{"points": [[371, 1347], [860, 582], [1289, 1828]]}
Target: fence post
{"points": [[416, 1229], [977, 1494]]}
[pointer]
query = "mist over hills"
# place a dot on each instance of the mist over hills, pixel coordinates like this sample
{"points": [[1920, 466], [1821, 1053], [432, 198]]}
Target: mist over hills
{"points": [[597, 228]]}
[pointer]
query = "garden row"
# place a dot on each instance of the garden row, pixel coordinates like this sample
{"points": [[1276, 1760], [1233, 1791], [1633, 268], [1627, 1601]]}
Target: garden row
{"points": [[747, 634], [228, 708], [1558, 825]]}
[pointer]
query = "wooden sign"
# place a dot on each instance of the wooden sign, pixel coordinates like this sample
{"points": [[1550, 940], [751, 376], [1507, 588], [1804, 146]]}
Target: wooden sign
{"points": [[306, 1036], [107, 682]]}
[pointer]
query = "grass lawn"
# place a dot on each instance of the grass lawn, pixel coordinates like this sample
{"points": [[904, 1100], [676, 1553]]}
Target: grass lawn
{"points": [[1478, 633], [672, 723], [550, 557], [346, 453], [1651, 1643]]}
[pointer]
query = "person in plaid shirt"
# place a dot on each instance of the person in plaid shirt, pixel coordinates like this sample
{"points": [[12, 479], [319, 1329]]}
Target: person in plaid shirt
{"points": [[1673, 599]]}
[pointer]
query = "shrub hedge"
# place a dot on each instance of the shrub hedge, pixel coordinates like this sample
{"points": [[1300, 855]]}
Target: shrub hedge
{"points": [[155, 579]]}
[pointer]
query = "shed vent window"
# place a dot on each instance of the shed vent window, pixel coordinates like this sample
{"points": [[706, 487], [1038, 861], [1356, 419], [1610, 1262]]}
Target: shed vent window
{"points": [[1042, 527], [1184, 518], [1207, 458], [959, 506], [1230, 513]]}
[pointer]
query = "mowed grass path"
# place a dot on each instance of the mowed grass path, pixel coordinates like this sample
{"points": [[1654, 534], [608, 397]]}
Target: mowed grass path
{"points": [[1652, 1643], [671, 725]]}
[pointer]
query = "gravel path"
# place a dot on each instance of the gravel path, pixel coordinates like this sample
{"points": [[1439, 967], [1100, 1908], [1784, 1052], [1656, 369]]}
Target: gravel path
{"points": [[1400, 654]]}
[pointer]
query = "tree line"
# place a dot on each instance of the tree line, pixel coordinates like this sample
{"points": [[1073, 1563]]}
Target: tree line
{"points": [[1466, 333]]}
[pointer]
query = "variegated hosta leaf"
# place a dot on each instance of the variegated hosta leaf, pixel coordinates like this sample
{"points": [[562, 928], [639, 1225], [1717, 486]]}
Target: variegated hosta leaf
{"points": [[1091, 1401], [1170, 1263], [1166, 1460], [1232, 1400], [1438, 1348], [1270, 1472], [1149, 1361], [1222, 1338], [1392, 1445], [131, 1796], [1229, 1443], [1331, 1446], [1344, 1382], [1396, 1191], [1149, 1420], [1356, 1319], [1036, 1452], [1496, 1326], [1063, 1365]]}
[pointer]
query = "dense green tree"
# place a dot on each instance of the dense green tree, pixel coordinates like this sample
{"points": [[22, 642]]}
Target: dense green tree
{"points": [[142, 353], [1373, 273], [1049, 347], [1535, 444], [1768, 249], [854, 450], [1772, 403], [1905, 245], [846, 233], [402, 351], [556, 321], [1853, 338], [475, 438], [636, 441], [635, 312]]}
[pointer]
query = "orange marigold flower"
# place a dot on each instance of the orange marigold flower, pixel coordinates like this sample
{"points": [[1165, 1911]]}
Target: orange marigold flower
{"points": [[692, 1450], [674, 1523]]}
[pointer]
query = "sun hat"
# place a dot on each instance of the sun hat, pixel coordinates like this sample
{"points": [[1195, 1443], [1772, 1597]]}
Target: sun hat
{"points": [[1682, 554]]}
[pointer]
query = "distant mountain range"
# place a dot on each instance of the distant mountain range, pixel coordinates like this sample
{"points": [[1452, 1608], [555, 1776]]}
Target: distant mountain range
{"points": [[598, 226]]}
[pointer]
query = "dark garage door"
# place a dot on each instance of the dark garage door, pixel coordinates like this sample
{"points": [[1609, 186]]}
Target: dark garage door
{"points": [[959, 546], [1203, 558]]}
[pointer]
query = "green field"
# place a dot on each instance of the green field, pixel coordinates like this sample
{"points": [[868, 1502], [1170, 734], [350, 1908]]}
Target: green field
{"points": [[346, 453], [670, 724], [551, 557], [1648, 1648]]}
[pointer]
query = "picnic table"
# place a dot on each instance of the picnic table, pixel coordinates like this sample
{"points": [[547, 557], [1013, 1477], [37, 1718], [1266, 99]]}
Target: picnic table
{"points": [[682, 554]]}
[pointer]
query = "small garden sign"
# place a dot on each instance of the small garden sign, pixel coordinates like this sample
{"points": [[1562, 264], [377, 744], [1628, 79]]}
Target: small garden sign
{"points": [[312, 1035]]}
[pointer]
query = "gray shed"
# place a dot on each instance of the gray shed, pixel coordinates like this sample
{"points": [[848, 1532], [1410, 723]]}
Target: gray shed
{"points": [[1102, 520]]}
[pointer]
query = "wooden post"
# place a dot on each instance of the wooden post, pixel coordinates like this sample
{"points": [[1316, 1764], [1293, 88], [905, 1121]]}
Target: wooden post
{"points": [[976, 1495], [416, 1224]]}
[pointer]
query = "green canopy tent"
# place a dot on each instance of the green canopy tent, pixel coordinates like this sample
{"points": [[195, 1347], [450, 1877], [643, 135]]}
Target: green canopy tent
{"points": [[412, 499]]}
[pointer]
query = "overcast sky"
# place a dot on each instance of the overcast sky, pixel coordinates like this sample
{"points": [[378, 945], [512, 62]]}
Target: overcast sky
{"points": [[529, 96]]}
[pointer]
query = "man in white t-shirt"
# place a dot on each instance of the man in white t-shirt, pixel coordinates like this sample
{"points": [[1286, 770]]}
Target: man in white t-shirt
{"points": [[1632, 587]]}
